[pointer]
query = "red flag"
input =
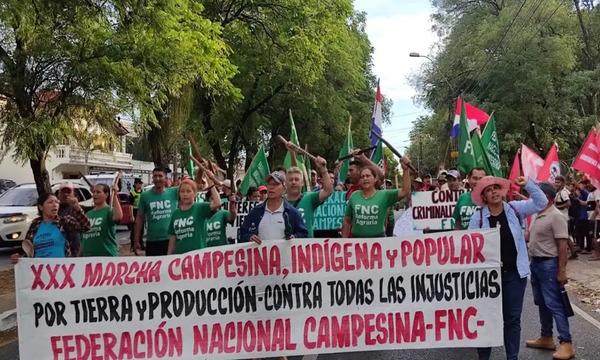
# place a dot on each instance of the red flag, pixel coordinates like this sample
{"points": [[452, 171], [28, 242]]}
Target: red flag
{"points": [[474, 115], [532, 163], [551, 168], [588, 159], [515, 172]]}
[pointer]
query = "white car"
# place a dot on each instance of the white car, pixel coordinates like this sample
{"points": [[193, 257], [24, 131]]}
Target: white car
{"points": [[18, 207]]}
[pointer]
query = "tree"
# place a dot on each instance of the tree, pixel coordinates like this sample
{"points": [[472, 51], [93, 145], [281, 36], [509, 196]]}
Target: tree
{"points": [[69, 58], [312, 57], [528, 62], [392, 166]]}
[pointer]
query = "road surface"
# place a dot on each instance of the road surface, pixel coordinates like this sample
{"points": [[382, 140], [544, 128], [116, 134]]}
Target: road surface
{"points": [[585, 336]]}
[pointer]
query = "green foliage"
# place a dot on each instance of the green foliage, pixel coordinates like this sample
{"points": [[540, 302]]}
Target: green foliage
{"points": [[393, 167], [526, 61], [63, 59], [312, 57]]}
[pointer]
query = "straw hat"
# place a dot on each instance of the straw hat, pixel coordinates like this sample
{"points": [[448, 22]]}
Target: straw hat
{"points": [[487, 181]]}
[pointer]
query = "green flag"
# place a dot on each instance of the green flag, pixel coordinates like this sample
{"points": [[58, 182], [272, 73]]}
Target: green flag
{"points": [[190, 164], [346, 149], [481, 158], [491, 145], [287, 162], [258, 170], [466, 157], [377, 157]]}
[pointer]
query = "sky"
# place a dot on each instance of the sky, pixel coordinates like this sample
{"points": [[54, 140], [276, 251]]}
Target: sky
{"points": [[397, 28]]}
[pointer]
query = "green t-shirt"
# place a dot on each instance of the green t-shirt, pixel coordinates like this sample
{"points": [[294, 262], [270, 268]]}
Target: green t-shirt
{"points": [[188, 227], [464, 210], [369, 215], [158, 209], [307, 207], [101, 239], [216, 234]]}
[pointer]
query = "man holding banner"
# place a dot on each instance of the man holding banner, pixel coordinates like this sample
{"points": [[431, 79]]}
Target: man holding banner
{"points": [[275, 219], [367, 209], [465, 208]]}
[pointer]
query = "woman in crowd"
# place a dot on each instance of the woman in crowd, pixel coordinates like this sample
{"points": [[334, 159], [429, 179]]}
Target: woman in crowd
{"points": [[253, 194], [46, 237], [187, 225], [489, 195], [367, 209], [216, 234], [101, 239]]}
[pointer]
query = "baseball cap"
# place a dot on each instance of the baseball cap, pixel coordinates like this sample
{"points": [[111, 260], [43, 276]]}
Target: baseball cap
{"points": [[453, 173], [262, 188], [419, 180], [313, 172], [227, 183], [277, 176], [547, 188], [67, 185]]}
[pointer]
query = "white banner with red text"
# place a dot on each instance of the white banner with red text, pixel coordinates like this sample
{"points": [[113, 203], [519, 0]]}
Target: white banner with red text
{"points": [[303, 296]]}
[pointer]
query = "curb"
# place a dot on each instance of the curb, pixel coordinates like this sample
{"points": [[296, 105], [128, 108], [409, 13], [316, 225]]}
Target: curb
{"points": [[8, 320]]}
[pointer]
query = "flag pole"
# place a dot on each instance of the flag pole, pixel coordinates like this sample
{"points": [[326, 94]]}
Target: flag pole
{"points": [[348, 133]]}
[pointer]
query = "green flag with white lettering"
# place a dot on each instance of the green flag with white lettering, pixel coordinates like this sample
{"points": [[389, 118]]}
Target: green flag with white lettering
{"points": [[257, 172], [490, 142], [466, 157], [481, 158]]}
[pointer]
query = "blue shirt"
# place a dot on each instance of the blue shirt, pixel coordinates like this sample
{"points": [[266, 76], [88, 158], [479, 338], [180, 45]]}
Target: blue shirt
{"points": [[49, 241], [583, 196], [536, 203]]}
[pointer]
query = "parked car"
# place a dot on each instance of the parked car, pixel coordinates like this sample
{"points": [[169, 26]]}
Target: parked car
{"points": [[6, 184], [18, 207], [127, 208]]}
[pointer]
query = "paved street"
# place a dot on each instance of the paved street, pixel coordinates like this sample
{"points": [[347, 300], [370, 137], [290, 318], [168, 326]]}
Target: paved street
{"points": [[584, 333]]}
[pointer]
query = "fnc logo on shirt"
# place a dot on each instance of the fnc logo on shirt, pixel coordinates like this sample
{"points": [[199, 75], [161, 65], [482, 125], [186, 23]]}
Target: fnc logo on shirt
{"points": [[212, 226], [160, 205], [366, 210], [184, 222], [96, 222]]}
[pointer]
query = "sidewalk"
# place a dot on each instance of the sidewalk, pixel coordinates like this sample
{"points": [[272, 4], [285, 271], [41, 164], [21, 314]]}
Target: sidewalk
{"points": [[584, 281]]}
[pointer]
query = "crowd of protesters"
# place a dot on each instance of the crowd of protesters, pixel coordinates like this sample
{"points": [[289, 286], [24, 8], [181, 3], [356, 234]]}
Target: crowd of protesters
{"points": [[548, 216]]}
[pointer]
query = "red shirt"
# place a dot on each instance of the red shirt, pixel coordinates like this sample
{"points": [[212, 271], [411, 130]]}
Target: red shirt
{"points": [[352, 189]]}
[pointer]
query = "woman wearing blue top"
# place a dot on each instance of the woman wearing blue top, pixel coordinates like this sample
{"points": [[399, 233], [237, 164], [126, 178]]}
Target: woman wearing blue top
{"points": [[46, 234], [489, 194]]}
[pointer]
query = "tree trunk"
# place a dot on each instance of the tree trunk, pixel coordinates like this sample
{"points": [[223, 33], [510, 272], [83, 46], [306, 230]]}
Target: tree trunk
{"points": [[156, 139], [40, 174]]}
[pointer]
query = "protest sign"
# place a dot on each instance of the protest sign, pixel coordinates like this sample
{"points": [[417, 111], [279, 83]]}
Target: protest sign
{"points": [[433, 209], [330, 215], [285, 297], [243, 208]]}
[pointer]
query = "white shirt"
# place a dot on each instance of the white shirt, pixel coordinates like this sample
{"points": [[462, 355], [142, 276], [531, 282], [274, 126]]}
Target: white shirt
{"points": [[562, 196], [595, 197], [272, 225]]}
